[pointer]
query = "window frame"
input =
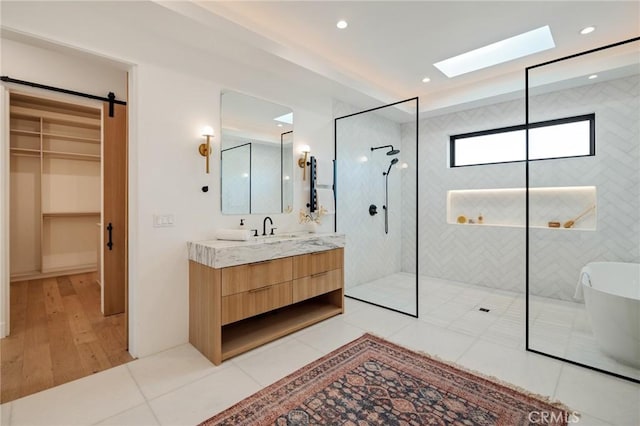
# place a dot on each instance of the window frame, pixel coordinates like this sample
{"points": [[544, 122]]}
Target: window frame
{"points": [[591, 118]]}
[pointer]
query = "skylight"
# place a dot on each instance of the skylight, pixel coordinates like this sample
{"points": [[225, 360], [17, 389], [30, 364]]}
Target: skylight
{"points": [[505, 50], [286, 118]]}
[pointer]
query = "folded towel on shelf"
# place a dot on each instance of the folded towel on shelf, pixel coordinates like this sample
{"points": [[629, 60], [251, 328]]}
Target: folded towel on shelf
{"points": [[326, 200], [233, 234], [324, 172]]}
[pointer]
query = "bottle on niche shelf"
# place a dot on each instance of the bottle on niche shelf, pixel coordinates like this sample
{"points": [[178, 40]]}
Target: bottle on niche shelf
{"points": [[242, 224], [480, 218]]}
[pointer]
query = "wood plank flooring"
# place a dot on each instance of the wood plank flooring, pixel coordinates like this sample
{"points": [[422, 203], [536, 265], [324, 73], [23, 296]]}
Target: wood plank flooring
{"points": [[58, 334]]}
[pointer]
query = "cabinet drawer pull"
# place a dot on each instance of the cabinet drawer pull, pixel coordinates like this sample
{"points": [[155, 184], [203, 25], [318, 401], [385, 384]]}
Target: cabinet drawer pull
{"points": [[319, 274], [316, 253], [260, 263], [255, 290]]}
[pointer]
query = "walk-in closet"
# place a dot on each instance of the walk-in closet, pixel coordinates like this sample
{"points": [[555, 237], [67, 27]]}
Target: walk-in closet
{"points": [[67, 241], [55, 188]]}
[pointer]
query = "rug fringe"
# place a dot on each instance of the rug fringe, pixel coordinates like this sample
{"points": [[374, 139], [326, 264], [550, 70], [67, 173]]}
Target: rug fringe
{"points": [[543, 398]]}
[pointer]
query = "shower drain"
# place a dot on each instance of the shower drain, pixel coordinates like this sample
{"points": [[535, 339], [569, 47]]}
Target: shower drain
{"points": [[484, 310]]}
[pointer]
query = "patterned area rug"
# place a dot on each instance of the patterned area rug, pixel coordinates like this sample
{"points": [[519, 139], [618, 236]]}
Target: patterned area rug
{"points": [[374, 382]]}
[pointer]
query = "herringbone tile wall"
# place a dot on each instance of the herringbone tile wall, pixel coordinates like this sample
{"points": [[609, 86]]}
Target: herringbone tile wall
{"points": [[556, 259], [495, 256], [370, 253]]}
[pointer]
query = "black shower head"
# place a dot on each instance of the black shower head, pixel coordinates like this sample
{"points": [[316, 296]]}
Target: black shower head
{"points": [[394, 161], [390, 152]]}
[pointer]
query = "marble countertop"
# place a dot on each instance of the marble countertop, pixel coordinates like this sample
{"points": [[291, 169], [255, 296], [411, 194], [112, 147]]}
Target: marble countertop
{"points": [[220, 253]]}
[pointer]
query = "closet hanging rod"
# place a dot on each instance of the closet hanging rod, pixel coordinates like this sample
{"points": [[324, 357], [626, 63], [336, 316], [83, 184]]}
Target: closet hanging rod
{"points": [[111, 97]]}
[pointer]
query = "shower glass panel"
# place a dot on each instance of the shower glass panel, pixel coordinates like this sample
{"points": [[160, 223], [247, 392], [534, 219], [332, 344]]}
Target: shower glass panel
{"points": [[583, 211], [376, 204]]}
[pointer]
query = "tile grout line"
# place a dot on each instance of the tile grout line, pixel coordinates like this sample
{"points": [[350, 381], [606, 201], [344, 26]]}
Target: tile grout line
{"points": [[146, 400], [216, 371], [130, 408]]}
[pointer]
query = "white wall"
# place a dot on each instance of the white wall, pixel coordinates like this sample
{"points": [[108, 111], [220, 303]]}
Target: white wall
{"points": [[55, 66], [172, 94]]}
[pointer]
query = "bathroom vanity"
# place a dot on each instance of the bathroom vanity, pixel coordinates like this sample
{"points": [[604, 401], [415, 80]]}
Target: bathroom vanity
{"points": [[243, 294]]}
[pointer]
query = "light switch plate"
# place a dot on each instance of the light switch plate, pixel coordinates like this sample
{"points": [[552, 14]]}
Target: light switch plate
{"points": [[163, 220]]}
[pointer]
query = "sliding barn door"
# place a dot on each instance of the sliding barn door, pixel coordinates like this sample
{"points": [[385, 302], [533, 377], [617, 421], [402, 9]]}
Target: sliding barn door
{"points": [[114, 223]]}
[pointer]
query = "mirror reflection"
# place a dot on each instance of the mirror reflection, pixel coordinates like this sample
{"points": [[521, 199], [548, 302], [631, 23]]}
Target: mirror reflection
{"points": [[256, 155]]}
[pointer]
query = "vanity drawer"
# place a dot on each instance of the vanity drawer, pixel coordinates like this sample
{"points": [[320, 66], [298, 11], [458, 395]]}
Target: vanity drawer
{"points": [[315, 263], [314, 285], [255, 301], [238, 279]]}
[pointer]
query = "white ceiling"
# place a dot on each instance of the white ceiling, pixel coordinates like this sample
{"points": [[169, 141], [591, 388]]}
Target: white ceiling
{"points": [[389, 46]]}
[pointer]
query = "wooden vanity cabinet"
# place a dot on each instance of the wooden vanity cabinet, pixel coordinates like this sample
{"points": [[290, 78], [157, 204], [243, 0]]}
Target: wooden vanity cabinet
{"points": [[235, 309]]}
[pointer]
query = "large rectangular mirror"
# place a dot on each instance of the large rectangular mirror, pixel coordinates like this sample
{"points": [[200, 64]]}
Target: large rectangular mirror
{"points": [[256, 155]]}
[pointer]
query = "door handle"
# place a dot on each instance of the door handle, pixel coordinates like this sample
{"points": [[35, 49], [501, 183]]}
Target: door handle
{"points": [[110, 243]]}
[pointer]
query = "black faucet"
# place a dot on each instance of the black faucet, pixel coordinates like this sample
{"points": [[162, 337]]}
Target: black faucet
{"points": [[264, 225]]}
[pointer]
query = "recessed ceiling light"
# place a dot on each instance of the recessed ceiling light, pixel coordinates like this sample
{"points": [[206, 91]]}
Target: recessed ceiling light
{"points": [[587, 30], [342, 24], [496, 53], [592, 76], [426, 80]]}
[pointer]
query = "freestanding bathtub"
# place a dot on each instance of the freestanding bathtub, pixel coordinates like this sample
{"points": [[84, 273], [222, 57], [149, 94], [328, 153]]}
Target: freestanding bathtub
{"points": [[612, 296]]}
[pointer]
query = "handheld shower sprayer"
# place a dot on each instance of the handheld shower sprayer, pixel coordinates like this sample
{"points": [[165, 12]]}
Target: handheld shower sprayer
{"points": [[393, 162], [386, 195]]}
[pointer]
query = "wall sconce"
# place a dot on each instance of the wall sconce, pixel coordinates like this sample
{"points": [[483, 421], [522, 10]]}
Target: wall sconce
{"points": [[302, 161], [205, 148]]}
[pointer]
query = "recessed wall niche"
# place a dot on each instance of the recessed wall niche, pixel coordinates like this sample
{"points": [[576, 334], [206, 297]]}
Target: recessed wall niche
{"points": [[551, 207]]}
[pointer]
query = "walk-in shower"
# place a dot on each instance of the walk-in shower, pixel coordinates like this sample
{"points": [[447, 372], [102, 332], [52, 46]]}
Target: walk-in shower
{"points": [[381, 250]]}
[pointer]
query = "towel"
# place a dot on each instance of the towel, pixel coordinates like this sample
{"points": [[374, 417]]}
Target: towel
{"points": [[326, 200], [324, 172], [233, 234], [584, 280]]}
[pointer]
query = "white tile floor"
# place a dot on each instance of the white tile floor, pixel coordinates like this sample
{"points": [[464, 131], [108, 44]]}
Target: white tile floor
{"points": [[180, 387], [557, 327]]}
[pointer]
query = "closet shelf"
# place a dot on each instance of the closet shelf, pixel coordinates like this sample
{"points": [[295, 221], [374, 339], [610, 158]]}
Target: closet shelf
{"points": [[72, 155], [69, 214], [51, 116], [24, 132], [27, 151], [62, 136], [70, 137]]}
